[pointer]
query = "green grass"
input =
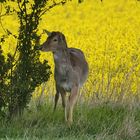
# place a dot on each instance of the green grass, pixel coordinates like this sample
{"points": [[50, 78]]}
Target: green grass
{"points": [[100, 122]]}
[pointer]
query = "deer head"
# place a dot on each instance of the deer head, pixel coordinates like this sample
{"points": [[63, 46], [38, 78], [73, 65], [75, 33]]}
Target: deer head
{"points": [[55, 42]]}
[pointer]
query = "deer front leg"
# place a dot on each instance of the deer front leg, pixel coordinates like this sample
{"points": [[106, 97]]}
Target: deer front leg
{"points": [[63, 95], [71, 103], [56, 99]]}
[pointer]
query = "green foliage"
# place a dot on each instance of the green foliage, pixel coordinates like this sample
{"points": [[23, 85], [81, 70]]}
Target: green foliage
{"points": [[4, 86], [21, 74], [29, 71]]}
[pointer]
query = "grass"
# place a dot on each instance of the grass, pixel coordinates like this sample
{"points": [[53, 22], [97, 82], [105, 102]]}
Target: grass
{"points": [[101, 122]]}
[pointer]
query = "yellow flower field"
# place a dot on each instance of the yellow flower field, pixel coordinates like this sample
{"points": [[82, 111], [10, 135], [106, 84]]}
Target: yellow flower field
{"points": [[109, 35]]}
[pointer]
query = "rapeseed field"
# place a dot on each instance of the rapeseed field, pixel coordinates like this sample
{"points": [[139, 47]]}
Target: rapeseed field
{"points": [[107, 32]]}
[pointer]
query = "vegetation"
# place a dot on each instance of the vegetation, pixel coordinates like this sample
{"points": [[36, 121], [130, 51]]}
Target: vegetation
{"points": [[108, 32], [109, 37]]}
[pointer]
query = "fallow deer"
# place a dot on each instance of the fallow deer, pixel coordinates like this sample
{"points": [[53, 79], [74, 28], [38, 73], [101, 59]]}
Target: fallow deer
{"points": [[71, 70]]}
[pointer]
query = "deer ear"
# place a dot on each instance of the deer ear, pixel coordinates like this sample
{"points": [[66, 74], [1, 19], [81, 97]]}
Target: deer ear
{"points": [[63, 39], [46, 31]]}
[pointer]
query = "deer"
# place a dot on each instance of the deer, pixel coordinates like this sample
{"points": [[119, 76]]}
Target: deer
{"points": [[70, 72]]}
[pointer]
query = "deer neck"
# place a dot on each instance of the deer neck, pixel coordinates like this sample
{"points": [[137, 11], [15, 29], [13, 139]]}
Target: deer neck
{"points": [[61, 56]]}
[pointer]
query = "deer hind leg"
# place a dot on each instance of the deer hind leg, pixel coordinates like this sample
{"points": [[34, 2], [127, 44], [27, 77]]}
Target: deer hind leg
{"points": [[56, 99], [71, 103]]}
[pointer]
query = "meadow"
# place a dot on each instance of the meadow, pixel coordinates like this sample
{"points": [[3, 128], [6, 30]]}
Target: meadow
{"points": [[98, 122], [108, 105]]}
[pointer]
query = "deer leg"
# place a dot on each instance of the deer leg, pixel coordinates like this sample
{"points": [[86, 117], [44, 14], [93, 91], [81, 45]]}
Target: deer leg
{"points": [[71, 103], [56, 99], [63, 95]]}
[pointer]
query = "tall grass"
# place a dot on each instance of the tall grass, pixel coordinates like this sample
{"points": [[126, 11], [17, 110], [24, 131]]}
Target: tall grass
{"points": [[106, 121]]}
